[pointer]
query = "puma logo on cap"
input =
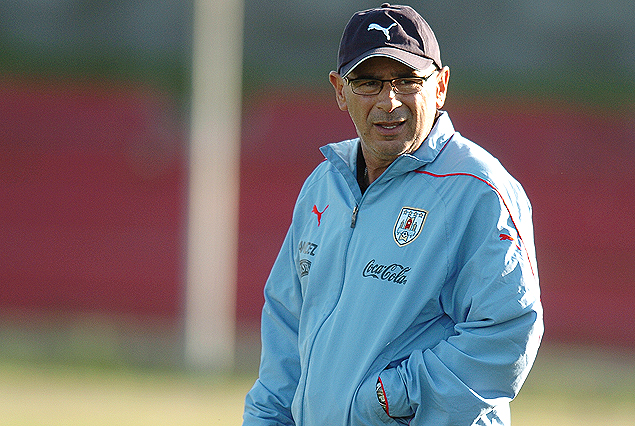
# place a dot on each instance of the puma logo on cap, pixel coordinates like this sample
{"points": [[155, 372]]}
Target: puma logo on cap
{"points": [[382, 29]]}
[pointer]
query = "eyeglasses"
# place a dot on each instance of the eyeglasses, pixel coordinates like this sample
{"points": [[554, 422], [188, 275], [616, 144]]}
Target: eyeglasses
{"points": [[373, 86]]}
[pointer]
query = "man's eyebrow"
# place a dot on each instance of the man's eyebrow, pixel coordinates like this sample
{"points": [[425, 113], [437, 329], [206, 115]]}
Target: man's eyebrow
{"points": [[409, 74]]}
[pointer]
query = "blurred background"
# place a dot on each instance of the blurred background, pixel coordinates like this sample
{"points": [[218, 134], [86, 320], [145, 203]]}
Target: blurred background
{"points": [[95, 113]]}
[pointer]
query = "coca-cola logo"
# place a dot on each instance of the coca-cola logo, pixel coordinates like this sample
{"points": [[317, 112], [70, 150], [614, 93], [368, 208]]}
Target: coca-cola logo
{"points": [[394, 272]]}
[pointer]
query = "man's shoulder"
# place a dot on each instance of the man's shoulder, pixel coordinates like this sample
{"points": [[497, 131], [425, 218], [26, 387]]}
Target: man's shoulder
{"points": [[476, 167], [337, 156], [463, 156]]}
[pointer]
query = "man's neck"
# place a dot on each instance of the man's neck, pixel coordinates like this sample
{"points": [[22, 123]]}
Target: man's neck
{"points": [[362, 170]]}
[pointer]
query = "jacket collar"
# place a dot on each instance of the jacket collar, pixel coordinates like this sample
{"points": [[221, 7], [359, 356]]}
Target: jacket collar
{"points": [[343, 155]]}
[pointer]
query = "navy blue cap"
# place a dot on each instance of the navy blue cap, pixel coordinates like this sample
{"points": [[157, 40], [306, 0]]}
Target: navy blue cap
{"points": [[396, 32]]}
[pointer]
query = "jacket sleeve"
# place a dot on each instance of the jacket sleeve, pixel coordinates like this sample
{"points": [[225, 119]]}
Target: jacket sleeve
{"points": [[493, 299], [268, 403]]}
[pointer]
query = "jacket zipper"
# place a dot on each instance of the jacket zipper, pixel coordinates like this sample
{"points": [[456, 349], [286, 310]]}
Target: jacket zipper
{"points": [[354, 217]]}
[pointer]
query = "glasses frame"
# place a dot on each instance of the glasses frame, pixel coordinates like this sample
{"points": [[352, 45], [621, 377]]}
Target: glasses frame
{"points": [[350, 81]]}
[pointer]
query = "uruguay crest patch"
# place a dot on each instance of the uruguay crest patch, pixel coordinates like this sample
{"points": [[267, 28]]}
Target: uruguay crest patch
{"points": [[409, 225]]}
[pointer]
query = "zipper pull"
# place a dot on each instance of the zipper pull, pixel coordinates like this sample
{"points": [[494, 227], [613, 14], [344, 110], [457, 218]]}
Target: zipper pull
{"points": [[354, 217]]}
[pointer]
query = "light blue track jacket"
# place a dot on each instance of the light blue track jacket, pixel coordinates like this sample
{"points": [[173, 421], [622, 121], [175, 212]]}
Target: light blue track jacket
{"points": [[427, 280]]}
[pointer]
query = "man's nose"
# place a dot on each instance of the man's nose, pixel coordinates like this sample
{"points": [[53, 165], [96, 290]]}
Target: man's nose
{"points": [[387, 98]]}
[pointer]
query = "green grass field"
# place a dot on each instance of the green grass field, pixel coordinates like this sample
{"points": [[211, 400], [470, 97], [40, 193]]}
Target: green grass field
{"points": [[568, 386]]}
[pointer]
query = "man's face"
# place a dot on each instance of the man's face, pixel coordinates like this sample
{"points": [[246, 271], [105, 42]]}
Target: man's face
{"points": [[390, 124]]}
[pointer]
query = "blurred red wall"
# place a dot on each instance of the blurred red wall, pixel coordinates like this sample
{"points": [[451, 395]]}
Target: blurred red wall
{"points": [[93, 189]]}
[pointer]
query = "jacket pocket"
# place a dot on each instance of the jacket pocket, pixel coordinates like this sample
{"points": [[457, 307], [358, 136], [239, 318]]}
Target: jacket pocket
{"points": [[367, 409], [397, 401]]}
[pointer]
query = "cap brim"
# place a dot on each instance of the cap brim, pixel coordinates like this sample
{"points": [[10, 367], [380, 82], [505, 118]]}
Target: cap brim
{"points": [[411, 60]]}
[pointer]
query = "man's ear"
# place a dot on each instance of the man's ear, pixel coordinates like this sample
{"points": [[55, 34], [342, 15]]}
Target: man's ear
{"points": [[442, 86], [338, 84]]}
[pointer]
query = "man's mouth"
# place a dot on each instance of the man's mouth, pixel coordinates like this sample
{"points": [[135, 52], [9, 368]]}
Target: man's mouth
{"points": [[390, 126]]}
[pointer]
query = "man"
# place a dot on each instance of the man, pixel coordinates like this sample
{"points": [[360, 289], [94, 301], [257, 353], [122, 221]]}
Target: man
{"points": [[406, 290]]}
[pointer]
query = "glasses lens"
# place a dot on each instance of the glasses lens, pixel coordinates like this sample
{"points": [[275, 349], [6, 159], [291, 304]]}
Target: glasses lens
{"points": [[408, 86], [366, 86]]}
